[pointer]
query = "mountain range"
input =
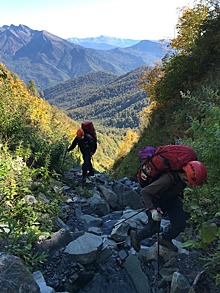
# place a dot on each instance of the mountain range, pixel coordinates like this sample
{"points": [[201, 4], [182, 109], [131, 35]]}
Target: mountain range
{"points": [[48, 59], [103, 42], [103, 97]]}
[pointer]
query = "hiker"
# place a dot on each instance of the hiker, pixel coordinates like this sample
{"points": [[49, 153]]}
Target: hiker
{"points": [[85, 143], [164, 196]]}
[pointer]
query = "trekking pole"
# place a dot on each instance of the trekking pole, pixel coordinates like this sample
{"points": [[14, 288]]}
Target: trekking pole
{"points": [[158, 248], [130, 217], [158, 245]]}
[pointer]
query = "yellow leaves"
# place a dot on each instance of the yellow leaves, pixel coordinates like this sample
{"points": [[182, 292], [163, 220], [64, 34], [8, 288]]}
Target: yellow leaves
{"points": [[131, 137], [145, 115], [148, 80], [23, 109], [129, 140], [189, 27]]}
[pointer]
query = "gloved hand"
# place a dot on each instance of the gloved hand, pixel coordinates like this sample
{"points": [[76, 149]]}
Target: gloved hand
{"points": [[156, 215]]}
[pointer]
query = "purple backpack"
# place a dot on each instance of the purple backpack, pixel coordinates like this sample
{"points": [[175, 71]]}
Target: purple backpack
{"points": [[146, 152]]}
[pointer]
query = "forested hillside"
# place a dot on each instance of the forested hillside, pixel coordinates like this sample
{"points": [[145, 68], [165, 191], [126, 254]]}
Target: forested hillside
{"points": [[109, 100], [185, 108], [43, 132]]}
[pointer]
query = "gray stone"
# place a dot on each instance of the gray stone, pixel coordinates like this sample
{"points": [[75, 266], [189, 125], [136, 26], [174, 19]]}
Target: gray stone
{"points": [[91, 221], [179, 284], [120, 232], [15, 277], [139, 279], [85, 248], [109, 195], [58, 240], [39, 279]]}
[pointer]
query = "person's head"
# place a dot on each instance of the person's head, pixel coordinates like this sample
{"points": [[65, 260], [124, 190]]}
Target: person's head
{"points": [[80, 133], [195, 173]]}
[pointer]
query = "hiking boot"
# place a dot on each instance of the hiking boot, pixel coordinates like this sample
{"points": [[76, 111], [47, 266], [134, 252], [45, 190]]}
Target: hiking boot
{"points": [[168, 243], [135, 244]]}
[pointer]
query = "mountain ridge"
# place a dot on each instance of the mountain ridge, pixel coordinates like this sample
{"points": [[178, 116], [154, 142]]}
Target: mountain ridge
{"points": [[48, 59], [103, 42], [103, 97]]}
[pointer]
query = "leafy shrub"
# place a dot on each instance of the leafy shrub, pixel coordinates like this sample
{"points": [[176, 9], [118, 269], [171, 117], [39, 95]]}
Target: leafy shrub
{"points": [[25, 214]]}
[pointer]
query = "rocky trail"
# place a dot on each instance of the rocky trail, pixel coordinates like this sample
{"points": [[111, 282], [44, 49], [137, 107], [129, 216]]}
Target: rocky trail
{"points": [[90, 249]]}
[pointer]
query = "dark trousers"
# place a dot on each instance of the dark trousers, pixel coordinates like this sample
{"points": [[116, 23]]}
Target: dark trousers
{"points": [[177, 218], [87, 167]]}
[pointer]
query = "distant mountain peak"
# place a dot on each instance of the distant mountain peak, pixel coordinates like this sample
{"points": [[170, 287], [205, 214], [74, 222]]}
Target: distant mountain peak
{"points": [[103, 42], [49, 59]]}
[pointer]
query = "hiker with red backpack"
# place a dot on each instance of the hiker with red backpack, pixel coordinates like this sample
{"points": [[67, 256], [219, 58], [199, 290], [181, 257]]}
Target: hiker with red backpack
{"points": [[87, 142], [163, 176]]}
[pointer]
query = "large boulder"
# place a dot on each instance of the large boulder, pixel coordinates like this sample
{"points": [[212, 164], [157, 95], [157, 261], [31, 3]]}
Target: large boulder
{"points": [[15, 277]]}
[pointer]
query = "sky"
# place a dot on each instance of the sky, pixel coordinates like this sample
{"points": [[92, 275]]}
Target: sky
{"points": [[127, 19]]}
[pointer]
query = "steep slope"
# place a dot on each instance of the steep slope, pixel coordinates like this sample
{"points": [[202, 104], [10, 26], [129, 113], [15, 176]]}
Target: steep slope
{"points": [[48, 59], [73, 90], [43, 132], [113, 101], [13, 38]]}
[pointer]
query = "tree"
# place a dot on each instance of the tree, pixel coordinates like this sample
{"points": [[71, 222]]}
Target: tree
{"points": [[129, 140], [191, 27], [32, 88]]}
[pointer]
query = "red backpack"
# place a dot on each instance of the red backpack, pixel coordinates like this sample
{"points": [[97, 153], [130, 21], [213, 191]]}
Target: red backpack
{"points": [[89, 128], [166, 158]]}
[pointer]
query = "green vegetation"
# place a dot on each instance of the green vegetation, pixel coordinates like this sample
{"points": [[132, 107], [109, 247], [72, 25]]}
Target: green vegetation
{"points": [[32, 88], [33, 142], [109, 100], [28, 206], [185, 108]]}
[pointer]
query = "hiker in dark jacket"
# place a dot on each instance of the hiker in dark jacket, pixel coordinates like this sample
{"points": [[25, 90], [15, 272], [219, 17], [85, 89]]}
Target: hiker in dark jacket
{"points": [[164, 196], [85, 143]]}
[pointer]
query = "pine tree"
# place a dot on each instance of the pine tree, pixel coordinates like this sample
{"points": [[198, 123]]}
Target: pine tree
{"points": [[32, 88]]}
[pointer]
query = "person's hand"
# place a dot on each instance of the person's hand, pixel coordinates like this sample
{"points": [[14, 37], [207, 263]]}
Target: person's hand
{"points": [[156, 215]]}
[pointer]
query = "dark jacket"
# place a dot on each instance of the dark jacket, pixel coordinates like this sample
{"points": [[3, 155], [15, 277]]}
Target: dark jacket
{"points": [[160, 192], [85, 144]]}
